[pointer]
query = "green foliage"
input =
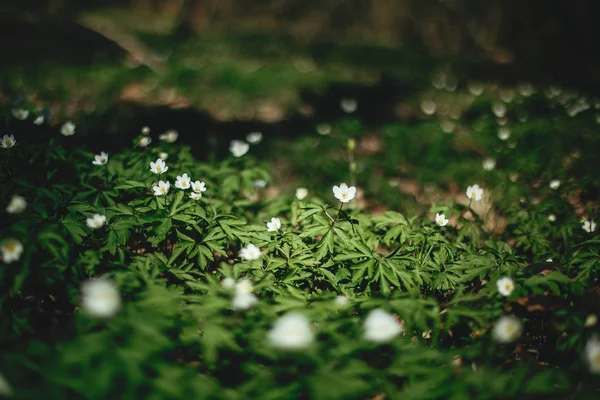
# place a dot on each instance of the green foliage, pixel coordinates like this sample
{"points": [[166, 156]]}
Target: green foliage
{"points": [[178, 335]]}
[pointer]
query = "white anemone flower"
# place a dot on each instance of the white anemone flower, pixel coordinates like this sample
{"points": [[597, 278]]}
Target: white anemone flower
{"points": [[344, 193], [244, 286], [590, 320], [554, 184], [589, 226], [199, 187], [250, 252], [301, 193], [244, 298], [144, 141], [349, 105], [195, 195], [39, 120], [7, 141], [447, 126], [552, 218], [68, 129], [507, 329], [145, 130], [100, 298], [291, 332], [243, 301], [592, 355], [274, 225], [341, 301], [504, 133], [163, 156], [169, 136], [505, 286], [183, 182], [159, 167], [5, 389], [20, 113], [474, 192], [228, 283], [11, 250], [475, 88], [441, 219], [97, 221], [254, 137], [428, 107], [489, 164], [17, 205], [323, 129], [381, 326], [499, 109], [161, 188], [260, 183], [238, 148], [100, 159]]}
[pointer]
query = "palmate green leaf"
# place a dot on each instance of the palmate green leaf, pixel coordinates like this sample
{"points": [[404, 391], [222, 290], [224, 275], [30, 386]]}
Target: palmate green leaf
{"points": [[324, 246], [76, 229], [552, 281], [131, 185], [163, 229]]}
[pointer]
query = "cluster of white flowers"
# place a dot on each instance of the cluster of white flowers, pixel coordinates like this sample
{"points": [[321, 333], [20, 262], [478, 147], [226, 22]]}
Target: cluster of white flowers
{"points": [[293, 331], [505, 286], [344, 193], [250, 252], [97, 221], [441, 220], [169, 136], [11, 250], [100, 159], [474, 193], [17, 205], [7, 141], [100, 298], [243, 298], [197, 189], [274, 225]]}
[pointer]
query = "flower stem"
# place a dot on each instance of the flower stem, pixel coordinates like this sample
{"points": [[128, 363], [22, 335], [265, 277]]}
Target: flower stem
{"points": [[338, 214]]}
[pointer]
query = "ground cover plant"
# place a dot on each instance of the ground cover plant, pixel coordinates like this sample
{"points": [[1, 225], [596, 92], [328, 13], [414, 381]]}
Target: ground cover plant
{"points": [[449, 254]]}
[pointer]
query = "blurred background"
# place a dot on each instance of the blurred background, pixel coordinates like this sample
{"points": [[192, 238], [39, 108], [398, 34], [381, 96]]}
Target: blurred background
{"points": [[265, 59]]}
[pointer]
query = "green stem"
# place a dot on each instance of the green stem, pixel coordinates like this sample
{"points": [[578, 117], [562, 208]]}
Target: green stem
{"points": [[338, 214]]}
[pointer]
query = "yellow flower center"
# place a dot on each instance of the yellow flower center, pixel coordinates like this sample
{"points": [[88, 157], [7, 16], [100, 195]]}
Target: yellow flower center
{"points": [[507, 287], [10, 247]]}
